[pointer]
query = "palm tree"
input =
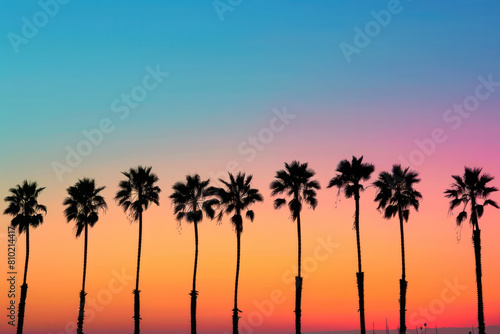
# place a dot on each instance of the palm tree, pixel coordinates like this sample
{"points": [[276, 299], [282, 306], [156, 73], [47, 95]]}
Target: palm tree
{"points": [[24, 207], [349, 177], [190, 200], [235, 197], [468, 191], [295, 181], [82, 207], [396, 195], [136, 194]]}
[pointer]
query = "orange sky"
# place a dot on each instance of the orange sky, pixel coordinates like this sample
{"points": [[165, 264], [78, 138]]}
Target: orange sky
{"points": [[434, 261]]}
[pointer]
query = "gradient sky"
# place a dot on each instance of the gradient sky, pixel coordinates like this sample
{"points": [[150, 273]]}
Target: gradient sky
{"points": [[227, 80]]}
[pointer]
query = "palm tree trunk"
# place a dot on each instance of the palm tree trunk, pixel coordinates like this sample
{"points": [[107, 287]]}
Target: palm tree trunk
{"points": [[24, 287], [81, 311], [236, 311], [360, 275], [298, 282], [403, 284], [194, 293], [137, 302], [476, 237]]}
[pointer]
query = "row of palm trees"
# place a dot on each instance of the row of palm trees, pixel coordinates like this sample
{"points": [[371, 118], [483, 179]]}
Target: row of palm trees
{"points": [[294, 185]]}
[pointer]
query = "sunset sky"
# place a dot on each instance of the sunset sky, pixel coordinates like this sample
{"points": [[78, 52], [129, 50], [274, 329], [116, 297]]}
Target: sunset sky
{"points": [[90, 89]]}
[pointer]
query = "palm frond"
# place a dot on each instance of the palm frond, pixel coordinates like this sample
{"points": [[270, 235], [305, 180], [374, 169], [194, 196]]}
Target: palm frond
{"points": [[461, 217], [490, 202]]}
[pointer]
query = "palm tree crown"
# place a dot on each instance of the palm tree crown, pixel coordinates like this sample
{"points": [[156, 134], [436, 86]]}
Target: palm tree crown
{"points": [[138, 191], [235, 197], [24, 206], [467, 190], [190, 199], [395, 192], [295, 180], [83, 204], [350, 175]]}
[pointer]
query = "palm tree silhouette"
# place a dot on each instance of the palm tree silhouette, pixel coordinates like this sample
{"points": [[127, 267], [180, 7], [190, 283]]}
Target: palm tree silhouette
{"points": [[190, 200], [295, 181], [395, 195], [136, 194], [24, 207], [82, 207], [468, 191], [349, 178], [234, 198]]}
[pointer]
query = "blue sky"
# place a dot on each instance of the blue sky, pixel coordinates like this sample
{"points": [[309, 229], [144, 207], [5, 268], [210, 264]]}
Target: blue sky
{"points": [[224, 74]]}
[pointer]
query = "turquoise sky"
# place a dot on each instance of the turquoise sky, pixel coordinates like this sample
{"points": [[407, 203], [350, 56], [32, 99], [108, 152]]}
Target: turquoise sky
{"points": [[227, 74]]}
